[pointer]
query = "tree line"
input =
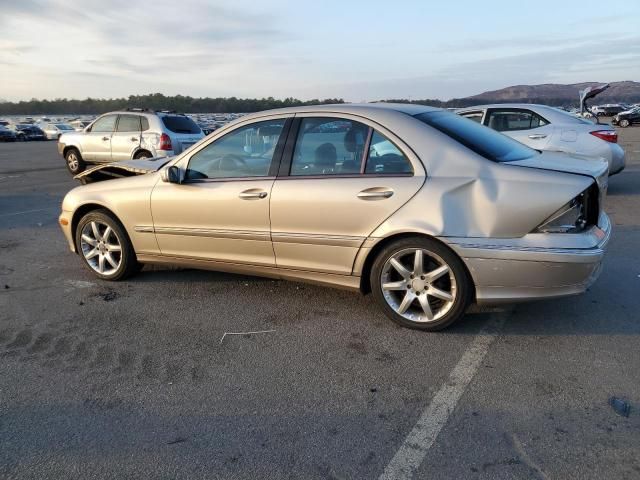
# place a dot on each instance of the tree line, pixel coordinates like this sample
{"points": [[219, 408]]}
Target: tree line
{"points": [[187, 104], [155, 101]]}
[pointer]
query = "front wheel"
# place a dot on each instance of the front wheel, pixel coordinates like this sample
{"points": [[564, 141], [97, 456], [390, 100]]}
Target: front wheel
{"points": [[75, 164], [624, 123], [105, 246], [419, 283]]}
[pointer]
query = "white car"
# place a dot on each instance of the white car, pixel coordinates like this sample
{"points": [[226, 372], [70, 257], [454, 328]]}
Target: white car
{"points": [[547, 128], [53, 131]]}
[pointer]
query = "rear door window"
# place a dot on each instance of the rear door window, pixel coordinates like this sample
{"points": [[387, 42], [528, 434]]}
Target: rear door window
{"points": [[180, 124], [511, 120], [329, 146], [128, 123]]}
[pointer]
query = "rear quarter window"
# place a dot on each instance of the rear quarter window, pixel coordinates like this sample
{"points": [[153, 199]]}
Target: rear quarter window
{"points": [[180, 124]]}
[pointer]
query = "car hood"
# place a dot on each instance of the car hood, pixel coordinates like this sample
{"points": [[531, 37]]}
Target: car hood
{"points": [[594, 167], [124, 168]]}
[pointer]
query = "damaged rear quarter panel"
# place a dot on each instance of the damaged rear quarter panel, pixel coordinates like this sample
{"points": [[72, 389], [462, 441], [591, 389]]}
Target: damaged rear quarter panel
{"points": [[481, 198]]}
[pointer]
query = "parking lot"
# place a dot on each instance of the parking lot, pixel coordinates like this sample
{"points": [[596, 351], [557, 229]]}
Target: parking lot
{"points": [[121, 380]]}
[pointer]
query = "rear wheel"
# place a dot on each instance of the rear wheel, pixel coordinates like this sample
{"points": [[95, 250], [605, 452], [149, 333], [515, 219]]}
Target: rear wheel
{"points": [[624, 123], [75, 164], [142, 155], [419, 283], [105, 246]]}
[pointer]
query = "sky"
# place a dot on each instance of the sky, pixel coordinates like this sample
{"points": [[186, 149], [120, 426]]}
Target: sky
{"points": [[352, 49]]}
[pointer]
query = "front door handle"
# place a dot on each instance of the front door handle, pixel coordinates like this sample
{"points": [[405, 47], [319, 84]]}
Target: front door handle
{"points": [[537, 136], [104, 139], [375, 193], [253, 194]]}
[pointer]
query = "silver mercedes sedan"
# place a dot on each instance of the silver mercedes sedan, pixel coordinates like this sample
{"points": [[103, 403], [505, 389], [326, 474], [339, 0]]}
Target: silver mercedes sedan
{"points": [[428, 211]]}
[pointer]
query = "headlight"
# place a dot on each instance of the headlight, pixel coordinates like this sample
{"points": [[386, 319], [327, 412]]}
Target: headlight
{"points": [[571, 218]]}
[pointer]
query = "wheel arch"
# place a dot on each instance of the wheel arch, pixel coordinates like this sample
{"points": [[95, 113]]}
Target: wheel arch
{"points": [[82, 210], [66, 149], [365, 274], [140, 150]]}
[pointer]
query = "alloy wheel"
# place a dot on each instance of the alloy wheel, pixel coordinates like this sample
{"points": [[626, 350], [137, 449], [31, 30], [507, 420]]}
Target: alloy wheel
{"points": [[101, 247], [418, 285], [72, 161]]}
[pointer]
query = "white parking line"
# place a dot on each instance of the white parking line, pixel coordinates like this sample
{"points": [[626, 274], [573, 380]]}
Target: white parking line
{"points": [[27, 211], [413, 450]]}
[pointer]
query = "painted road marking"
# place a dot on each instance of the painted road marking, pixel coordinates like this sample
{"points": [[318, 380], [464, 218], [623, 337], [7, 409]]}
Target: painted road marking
{"points": [[413, 450], [27, 211]]}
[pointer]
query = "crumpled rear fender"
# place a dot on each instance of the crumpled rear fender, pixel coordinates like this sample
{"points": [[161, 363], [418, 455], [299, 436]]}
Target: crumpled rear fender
{"points": [[504, 202]]}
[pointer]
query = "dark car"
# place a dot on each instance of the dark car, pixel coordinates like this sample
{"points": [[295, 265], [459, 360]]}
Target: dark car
{"points": [[608, 110], [27, 132], [7, 135], [625, 119]]}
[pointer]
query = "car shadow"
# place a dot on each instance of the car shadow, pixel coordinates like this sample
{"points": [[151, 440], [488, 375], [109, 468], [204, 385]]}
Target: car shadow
{"points": [[607, 308], [626, 182]]}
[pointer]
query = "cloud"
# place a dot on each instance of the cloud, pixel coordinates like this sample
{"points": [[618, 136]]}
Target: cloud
{"points": [[617, 56]]}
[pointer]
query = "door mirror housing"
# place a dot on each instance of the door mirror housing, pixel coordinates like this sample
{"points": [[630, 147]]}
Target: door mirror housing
{"points": [[172, 174]]}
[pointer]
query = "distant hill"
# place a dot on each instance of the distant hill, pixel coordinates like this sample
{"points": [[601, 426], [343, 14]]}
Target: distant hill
{"points": [[558, 94]]}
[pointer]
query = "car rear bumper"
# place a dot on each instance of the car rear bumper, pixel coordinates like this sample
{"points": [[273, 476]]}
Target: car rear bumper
{"points": [[618, 162], [521, 271]]}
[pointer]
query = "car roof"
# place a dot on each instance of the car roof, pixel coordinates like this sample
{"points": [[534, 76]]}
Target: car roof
{"points": [[374, 111]]}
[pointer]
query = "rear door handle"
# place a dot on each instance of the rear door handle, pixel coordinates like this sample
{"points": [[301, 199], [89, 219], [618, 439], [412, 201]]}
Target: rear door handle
{"points": [[104, 139], [253, 194], [134, 139], [375, 193], [537, 136]]}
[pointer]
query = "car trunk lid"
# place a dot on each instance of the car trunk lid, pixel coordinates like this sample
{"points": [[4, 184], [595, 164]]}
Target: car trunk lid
{"points": [[594, 167]]}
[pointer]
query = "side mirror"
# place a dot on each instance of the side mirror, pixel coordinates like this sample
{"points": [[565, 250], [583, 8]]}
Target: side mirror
{"points": [[172, 174]]}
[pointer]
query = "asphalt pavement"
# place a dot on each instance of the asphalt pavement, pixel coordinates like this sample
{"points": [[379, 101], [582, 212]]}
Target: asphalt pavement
{"points": [[141, 379]]}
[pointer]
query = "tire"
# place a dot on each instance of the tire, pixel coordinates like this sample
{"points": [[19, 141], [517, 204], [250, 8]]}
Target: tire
{"points": [[624, 123], [421, 297], [96, 248], [75, 163], [142, 155]]}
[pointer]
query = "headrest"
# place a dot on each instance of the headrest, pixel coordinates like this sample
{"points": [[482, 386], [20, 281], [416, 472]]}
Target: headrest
{"points": [[326, 155], [355, 138]]}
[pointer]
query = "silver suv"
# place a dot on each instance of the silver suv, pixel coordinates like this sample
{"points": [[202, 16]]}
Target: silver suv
{"points": [[127, 134]]}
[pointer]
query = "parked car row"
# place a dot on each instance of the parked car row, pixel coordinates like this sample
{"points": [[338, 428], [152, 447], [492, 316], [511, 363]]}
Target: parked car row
{"points": [[23, 132], [612, 109], [426, 209]]}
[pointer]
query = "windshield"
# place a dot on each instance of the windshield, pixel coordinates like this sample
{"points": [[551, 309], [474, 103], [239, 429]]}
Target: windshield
{"points": [[180, 124], [482, 140]]}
